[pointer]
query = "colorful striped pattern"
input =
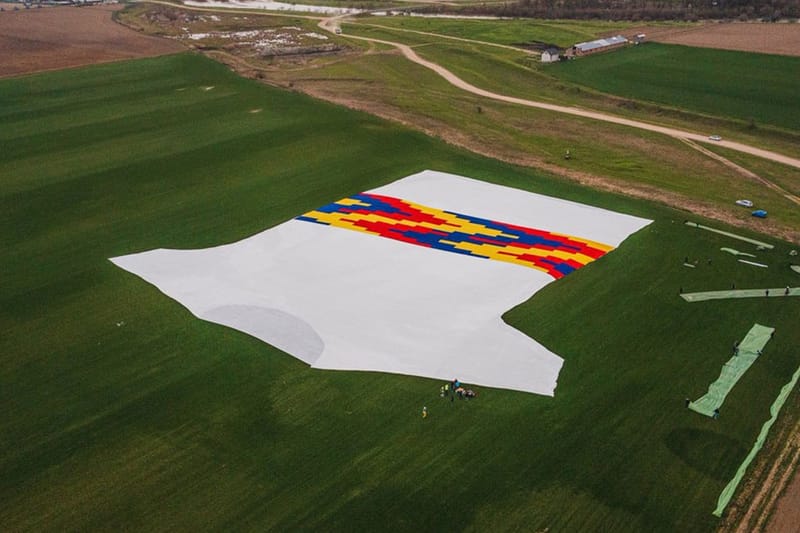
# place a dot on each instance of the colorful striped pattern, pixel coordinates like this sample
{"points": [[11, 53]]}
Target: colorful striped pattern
{"points": [[554, 253]]}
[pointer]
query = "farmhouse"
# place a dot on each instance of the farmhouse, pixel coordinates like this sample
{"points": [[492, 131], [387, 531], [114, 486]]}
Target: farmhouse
{"points": [[599, 45], [550, 55]]}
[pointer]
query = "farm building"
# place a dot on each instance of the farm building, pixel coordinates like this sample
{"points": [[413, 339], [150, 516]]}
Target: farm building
{"points": [[599, 45], [550, 55]]}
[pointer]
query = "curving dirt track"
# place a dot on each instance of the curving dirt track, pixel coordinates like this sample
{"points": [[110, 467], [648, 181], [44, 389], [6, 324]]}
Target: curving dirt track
{"points": [[330, 25], [34, 40]]}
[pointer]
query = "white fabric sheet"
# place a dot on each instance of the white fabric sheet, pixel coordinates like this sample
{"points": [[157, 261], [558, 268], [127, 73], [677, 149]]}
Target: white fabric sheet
{"points": [[341, 299]]}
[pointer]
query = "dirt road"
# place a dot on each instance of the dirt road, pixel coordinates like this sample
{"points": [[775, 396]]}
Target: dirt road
{"points": [[330, 24]]}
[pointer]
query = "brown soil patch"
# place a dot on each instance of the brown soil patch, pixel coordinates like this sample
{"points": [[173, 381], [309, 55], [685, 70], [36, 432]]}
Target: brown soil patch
{"points": [[765, 38], [33, 40], [787, 511]]}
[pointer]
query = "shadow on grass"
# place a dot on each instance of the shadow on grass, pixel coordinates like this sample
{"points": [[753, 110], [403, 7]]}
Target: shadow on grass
{"points": [[705, 451]]}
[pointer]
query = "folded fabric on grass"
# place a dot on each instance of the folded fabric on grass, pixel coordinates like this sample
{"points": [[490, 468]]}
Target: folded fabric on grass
{"points": [[740, 293], [745, 355]]}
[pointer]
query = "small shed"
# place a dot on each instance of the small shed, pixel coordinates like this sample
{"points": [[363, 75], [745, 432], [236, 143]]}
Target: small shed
{"points": [[550, 55]]}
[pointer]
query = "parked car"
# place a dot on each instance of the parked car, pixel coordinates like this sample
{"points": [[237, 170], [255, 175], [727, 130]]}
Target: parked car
{"points": [[715, 137], [760, 213], [744, 203]]}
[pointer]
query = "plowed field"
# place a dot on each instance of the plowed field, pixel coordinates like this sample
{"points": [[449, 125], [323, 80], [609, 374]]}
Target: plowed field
{"points": [[46, 39], [780, 38]]}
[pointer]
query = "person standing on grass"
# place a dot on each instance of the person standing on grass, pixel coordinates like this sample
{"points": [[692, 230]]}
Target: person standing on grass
{"points": [[424, 412]]}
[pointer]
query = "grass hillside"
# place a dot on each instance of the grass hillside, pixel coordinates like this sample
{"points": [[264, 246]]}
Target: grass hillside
{"points": [[168, 422], [739, 85], [558, 32]]}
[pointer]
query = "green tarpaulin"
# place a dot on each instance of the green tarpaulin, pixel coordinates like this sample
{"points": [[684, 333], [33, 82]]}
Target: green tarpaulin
{"points": [[748, 351], [742, 293], [727, 493], [732, 235]]}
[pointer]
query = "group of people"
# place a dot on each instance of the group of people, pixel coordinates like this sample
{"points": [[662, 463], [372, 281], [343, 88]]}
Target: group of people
{"points": [[453, 389]]}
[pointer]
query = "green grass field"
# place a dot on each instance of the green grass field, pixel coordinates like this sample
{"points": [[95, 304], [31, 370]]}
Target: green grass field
{"points": [[168, 422], [508, 32], [738, 85]]}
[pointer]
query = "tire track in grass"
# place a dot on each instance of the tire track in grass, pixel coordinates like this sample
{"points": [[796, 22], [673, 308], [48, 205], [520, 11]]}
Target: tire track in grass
{"points": [[743, 171]]}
